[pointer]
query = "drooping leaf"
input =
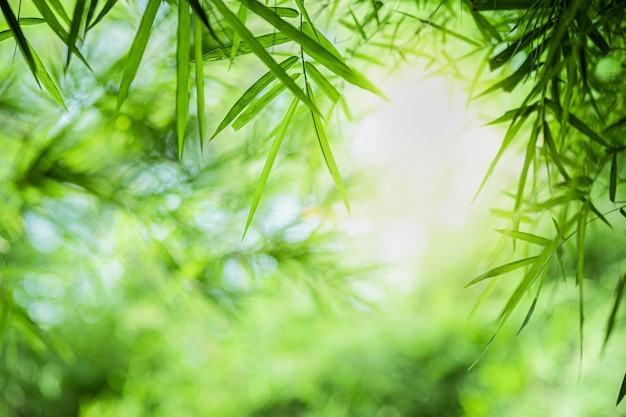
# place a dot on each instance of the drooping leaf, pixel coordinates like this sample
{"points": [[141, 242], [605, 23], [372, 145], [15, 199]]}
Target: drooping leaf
{"points": [[322, 140], [531, 310], [613, 178], [323, 40], [22, 43], [260, 51], [285, 12], [527, 237], [137, 48], [259, 104], [577, 124], [183, 44], [242, 14], [47, 82], [269, 162], [503, 269], [105, 9], [313, 48], [322, 82], [199, 70], [226, 51], [619, 292], [77, 21], [251, 93], [622, 392]]}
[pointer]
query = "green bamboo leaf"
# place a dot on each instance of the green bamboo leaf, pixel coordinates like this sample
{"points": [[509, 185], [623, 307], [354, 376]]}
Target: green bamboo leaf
{"points": [[503, 269], [6, 34], [285, 12], [242, 14], [613, 178], [197, 47], [91, 10], [619, 292], [226, 52], [259, 104], [22, 43], [322, 140], [42, 75], [521, 185], [527, 237], [580, 270], [269, 162], [528, 315], [577, 124], [322, 82], [77, 20], [622, 391], [310, 31], [182, 72], [622, 211], [313, 48], [58, 7], [137, 49], [251, 93], [556, 156], [58, 29], [502, 4], [260, 51], [105, 10]]}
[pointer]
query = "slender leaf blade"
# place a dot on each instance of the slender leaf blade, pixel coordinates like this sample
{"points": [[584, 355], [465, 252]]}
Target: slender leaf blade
{"points": [[527, 237], [503, 269], [182, 72], [199, 70]]}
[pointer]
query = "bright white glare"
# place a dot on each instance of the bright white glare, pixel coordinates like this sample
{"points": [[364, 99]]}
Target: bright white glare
{"points": [[429, 156]]}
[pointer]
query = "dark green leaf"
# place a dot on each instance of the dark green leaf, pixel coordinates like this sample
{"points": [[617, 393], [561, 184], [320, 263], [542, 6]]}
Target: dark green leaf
{"points": [[622, 391], [613, 178], [199, 67], [77, 20], [105, 9], [183, 44]]}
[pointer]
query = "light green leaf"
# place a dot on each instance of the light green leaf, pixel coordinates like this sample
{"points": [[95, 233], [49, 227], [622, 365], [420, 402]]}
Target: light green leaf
{"points": [[322, 140], [321, 81], [269, 162], [105, 9], [285, 12], [619, 292], [251, 93], [527, 237], [182, 72], [503, 269], [260, 51], [313, 48], [226, 51], [242, 14], [259, 104], [137, 49], [197, 47]]}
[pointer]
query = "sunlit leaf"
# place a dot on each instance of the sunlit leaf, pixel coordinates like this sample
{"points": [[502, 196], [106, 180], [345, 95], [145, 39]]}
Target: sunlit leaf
{"points": [[322, 140], [322, 82], [527, 237], [503, 269], [226, 51], [105, 9], [75, 27], [199, 71], [138, 47], [251, 93], [183, 44], [269, 162]]}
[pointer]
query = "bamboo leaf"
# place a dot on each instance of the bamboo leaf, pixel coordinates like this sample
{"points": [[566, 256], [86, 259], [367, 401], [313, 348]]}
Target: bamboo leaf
{"points": [[199, 67], [322, 140], [311, 47], [260, 51], [619, 292], [613, 178], [226, 51], [58, 29], [77, 20], [285, 12], [259, 104], [46, 80], [322, 82], [310, 31], [58, 7], [527, 237], [251, 93], [622, 391], [528, 315], [105, 10], [503, 269], [137, 49], [242, 14], [269, 162], [182, 72], [577, 124], [22, 43]]}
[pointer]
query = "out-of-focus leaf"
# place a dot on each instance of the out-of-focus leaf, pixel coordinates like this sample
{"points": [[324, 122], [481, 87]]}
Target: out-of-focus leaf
{"points": [[311, 47], [137, 49], [613, 178], [577, 123], [182, 72], [480, 5], [269, 162], [619, 292], [527, 237], [226, 51], [322, 140], [251, 93], [503, 269], [322, 82], [260, 51]]}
